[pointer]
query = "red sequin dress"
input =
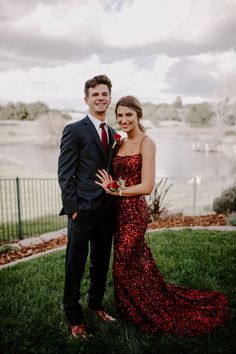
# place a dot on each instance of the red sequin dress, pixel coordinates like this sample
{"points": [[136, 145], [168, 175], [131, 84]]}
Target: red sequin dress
{"points": [[142, 296]]}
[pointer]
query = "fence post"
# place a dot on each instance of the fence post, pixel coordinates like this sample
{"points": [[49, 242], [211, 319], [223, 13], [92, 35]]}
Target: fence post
{"points": [[194, 195], [20, 230]]}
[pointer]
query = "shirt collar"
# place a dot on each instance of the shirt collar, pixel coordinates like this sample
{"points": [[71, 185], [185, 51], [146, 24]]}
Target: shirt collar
{"points": [[95, 121]]}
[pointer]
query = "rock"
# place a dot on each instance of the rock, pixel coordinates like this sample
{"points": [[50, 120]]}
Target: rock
{"points": [[50, 236], [30, 242]]}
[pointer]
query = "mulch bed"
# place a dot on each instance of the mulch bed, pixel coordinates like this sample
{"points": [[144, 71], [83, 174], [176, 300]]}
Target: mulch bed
{"points": [[180, 221], [29, 251], [162, 222]]}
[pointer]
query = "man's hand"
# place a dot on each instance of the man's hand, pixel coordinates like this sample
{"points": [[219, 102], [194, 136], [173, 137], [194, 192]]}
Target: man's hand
{"points": [[74, 215], [104, 178]]}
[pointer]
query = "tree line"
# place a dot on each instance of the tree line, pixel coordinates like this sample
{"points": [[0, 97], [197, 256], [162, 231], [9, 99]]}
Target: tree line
{"points": [[203, 113], [27, 111]]}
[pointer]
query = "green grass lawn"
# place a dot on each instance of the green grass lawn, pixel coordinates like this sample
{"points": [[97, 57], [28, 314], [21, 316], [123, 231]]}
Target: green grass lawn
{"points": [[10, 231], [32, 318]]}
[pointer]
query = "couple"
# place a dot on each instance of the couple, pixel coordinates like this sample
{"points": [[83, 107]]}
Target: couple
{"points": [[95, 203]]}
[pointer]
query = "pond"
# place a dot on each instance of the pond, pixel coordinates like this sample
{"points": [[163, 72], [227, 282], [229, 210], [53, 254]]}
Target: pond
{"points": [[175, 156]]}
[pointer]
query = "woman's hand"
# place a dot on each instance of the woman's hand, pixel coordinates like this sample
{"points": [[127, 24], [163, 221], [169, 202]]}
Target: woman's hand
{"points": [[105, 179]]}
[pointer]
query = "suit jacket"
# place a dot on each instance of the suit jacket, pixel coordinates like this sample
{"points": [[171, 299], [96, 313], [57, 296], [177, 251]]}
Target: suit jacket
{"points": [[81, 155]]}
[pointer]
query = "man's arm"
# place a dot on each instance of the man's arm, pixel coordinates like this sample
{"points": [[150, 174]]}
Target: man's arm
{"points": [[67, 164]]}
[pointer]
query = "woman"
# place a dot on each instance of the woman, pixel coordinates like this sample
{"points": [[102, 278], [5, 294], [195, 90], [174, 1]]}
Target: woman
{"points": [[141, 293]]}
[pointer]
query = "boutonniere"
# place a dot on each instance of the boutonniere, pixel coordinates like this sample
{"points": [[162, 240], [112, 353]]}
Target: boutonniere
{"points": [[117, 140]]}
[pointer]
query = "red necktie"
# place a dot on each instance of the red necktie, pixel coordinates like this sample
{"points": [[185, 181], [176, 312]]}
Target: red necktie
{"points": [[104, 137]]}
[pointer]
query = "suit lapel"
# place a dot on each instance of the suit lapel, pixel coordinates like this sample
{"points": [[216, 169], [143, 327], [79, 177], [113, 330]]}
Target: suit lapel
{"points": [[111, 139], [92, 130], [111, 149]]}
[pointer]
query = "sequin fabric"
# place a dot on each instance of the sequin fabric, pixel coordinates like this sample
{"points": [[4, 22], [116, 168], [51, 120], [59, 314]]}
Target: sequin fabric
{"points": [[142, 296]]}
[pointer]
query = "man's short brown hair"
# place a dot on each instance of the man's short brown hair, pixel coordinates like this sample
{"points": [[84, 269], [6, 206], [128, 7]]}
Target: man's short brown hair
{"points": [[97, 80]]}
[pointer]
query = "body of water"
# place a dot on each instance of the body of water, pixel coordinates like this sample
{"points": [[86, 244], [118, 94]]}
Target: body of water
{"points": [[175, 157]]}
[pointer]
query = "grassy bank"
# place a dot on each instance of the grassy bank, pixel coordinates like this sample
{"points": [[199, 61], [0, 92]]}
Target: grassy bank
{"points": [[32, 318]]}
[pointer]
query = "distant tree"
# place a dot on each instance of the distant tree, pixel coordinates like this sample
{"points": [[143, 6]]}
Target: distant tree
{"points": [[223, 109], [197, 113], [8, 111], [167, 112], [50, 126], [230, 118], [178, 102], [23, 111], [149, 109], [111, 118], [36, 109], [224, 106]]}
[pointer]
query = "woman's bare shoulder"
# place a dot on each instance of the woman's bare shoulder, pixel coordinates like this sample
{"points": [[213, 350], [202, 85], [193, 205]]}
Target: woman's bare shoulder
{"points": [[148, 142]]}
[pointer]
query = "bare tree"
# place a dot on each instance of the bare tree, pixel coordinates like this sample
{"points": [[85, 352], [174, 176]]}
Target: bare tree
{"points": [[50, 126], [224, 107], [156, 200]]}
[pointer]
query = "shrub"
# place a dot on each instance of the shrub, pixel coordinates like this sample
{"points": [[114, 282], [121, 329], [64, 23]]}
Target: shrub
{"points": [[155, 201], [231, 220], [23, 111], [8, 248], [226, 202]]}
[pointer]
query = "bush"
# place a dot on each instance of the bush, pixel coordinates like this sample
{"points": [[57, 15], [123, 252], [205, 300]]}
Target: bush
{"points": [[23, 111], [226, 202], [155, 200], [8, 248], [231, 220]]}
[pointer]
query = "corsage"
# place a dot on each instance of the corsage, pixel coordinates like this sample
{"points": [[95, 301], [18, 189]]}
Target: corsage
{"points": [[117, 186]]}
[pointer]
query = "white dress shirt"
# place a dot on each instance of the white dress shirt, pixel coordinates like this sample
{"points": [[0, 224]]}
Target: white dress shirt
{"points": [[96, 122]]}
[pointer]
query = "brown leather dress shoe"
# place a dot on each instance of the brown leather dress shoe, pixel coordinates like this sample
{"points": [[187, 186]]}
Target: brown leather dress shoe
{"points": [[104, 316], [79, 332]]}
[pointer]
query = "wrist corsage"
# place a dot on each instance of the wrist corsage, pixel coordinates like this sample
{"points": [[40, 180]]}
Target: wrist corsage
{"points": [[117, 140], [117, 186]]}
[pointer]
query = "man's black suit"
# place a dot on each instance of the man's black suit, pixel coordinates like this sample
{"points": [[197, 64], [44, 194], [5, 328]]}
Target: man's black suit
{"points": [[81, 155]]}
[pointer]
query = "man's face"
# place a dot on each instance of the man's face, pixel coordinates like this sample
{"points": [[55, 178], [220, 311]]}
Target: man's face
{"points": [[98, 100]]}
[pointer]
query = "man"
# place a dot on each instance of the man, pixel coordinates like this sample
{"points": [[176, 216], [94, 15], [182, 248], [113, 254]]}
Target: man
{"points": [[86, 146]]}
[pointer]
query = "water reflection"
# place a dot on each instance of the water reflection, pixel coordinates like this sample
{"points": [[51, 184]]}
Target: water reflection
{"points": [[175, 158]]}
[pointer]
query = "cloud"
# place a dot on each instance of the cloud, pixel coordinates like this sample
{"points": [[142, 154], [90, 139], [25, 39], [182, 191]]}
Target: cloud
{"points": [[185, 77], [112, 6], [156, 49], [201, 76], [62, 86], [41, 36], [11, 11], [34, 49]]}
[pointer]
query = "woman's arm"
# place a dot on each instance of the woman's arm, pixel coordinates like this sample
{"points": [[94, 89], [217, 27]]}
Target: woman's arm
{"points": [[146, 186]]}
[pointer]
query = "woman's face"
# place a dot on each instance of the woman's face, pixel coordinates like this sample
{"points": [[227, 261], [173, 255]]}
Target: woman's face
{"points": [[127, 118]]}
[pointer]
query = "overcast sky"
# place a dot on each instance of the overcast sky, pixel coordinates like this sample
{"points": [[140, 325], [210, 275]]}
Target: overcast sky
{"points": [[153, 49]]}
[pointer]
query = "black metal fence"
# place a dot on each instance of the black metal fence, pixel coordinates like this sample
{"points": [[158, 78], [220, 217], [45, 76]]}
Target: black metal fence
{"points": [[29, 207]]}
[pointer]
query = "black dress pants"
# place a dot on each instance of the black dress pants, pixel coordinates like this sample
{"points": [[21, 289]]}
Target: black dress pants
{"points": [[91, 230]]}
